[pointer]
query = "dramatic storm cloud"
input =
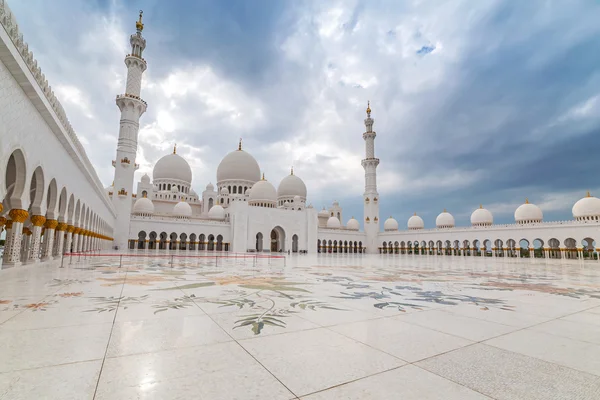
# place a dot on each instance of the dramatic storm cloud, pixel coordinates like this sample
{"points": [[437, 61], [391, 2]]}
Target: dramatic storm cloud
{"points": [[474, 101]]}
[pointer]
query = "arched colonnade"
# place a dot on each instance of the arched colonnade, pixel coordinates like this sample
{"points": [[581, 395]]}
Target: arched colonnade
{"points": [[43, 220]]}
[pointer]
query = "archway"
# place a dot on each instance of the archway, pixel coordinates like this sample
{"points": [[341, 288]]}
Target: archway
{"points": [[152, 241], [15, 176], [162, 245], [295, 243], [259, 242], [202, 242], [211, 242], [193, 241], [277, 239], [141, 240], [219, 243]]}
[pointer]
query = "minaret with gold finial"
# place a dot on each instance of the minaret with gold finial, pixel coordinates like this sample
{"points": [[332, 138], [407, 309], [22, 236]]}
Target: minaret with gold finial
{"points": [[132, 107], [370, 196]]}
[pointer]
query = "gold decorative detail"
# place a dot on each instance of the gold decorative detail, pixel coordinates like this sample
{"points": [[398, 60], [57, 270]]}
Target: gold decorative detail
{"points": [[526, 200], [415, 214], [175, 148], [2, 221], [125, 160], [263, 177], [445, 210], [138, 25], [70, 228], [26, 231], [145, 195], [368, 219], [122, 192], [587, 195], [9, 224], [38, 220], [50, 223], [375, 219], [76, 230], [1, 207], [375, 199], [368, 108], [61, 226], [134, 195], [367, 200], [480, 206], [18, 215], [240, 144]]}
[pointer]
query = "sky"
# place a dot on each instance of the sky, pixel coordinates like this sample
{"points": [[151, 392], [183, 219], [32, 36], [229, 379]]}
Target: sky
{"points": [[475, 102]]}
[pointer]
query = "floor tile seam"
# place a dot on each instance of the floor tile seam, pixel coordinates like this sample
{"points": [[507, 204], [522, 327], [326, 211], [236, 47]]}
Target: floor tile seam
{"points": [[51, 327], [367, 344], [352, 381], [110, 334], [243, 348], [165, 350], [579, 371], [50, 366], [500, 323], [453, 381], [566, 337], [439, 331], [39, 301]]}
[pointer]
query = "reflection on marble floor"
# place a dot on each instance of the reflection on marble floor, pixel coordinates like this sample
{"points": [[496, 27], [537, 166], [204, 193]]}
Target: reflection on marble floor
{"points": [[318, 327]]}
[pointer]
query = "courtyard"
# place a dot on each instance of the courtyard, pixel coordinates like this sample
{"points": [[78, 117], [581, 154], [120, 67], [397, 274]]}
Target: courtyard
{"points": [[154, 325]]}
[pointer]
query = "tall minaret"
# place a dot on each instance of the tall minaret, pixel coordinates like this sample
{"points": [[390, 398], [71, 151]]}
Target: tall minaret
{"points": [[370, 197], [132, 107]]}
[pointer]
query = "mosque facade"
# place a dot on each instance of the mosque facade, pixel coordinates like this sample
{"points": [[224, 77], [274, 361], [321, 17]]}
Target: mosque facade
{"points": [[245, 212]]}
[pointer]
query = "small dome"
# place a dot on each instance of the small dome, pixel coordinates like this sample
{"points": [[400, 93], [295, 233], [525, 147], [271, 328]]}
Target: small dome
{"points": [[210, 187], [333, 223], [143, 205], [323, 213], [587, 208], [415, 222], [182, 209], [336, 203], [297, 200], [528, 213], [291, 185], [224, 190], [217, 213], [193, 193], [263, 191], [172, 166], [238, 165], [353, 224], [444, 220], [390, 224], [248, 191], [145, 179], [174, 189], [482, 217]]}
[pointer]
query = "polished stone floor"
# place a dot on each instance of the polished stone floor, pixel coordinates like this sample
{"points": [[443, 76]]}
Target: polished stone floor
{"points": [[309, 327]]}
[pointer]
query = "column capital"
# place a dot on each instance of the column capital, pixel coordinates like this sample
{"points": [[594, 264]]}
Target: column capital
{"points": [[2, 221], [70, 228], [61, 226], [38, 220], [51, 224], [18, 215]]}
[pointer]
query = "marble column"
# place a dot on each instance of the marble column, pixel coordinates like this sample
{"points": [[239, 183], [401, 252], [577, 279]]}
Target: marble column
{"points": [[37, 221], [50, 225], [75, 243], [25, 245], [69, 239], [59, 239], [14, 238]]}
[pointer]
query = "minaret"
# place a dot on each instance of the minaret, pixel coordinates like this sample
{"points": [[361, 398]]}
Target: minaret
{"points": [[132, 107], [370, 197]]}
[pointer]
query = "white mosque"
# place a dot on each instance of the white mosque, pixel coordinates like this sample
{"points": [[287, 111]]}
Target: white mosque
{"points": [[66, 209], [246, 212]]}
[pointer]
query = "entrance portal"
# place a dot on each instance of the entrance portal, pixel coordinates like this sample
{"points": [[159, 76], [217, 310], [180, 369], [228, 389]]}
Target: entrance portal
{"points": [[277, 239]]}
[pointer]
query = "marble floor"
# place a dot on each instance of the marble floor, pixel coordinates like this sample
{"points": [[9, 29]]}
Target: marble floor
{"points": [[303, 327]]}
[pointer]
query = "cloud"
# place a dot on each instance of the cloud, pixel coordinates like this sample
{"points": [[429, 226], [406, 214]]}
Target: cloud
{"points": [[486, 102]]}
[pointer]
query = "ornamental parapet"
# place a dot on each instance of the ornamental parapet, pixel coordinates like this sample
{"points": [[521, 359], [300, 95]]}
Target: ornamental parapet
{"points": [[125, 161], [9, 23], [122, 192]]}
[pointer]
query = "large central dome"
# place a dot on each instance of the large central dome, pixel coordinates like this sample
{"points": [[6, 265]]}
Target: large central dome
{"points": [[240, 166], [172, 166]]}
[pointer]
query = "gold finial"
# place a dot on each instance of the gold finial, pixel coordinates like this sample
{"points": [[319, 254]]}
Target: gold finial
{"points": [[138, 25], [240, 144], [175, 148], [526, 200], [368, 108], [292, 172], [445, 210], [415, 214], [588, 194], [263, 178], [145, 195], [481, 206], [113, 184]]}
